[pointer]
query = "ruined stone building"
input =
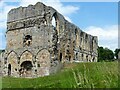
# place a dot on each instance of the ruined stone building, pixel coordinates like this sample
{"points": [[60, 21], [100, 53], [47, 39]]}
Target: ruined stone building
{"points": [[36, 47]]}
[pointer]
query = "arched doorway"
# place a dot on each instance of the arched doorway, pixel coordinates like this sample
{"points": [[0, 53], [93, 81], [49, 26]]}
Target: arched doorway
{"points": [[9, 69], [26, 64], [43, 62], [26, 68], [12, 64]]}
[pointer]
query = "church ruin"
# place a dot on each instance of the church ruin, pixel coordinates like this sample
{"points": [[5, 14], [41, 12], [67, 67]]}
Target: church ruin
{"points": [[40, 40]]}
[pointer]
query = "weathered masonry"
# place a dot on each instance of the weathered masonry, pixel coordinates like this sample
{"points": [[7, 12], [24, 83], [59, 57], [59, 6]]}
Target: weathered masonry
{"points": [[38, 47]]}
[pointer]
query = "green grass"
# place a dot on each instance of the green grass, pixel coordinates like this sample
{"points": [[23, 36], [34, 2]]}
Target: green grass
{"points": [[75, 75]]}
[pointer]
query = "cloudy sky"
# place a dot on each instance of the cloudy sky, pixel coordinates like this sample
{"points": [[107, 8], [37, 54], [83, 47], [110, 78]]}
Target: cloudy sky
{"points": [[96, 18]]}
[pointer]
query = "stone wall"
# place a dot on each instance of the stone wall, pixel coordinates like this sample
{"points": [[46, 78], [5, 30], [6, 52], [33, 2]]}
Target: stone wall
{"points": [[36, 47]]}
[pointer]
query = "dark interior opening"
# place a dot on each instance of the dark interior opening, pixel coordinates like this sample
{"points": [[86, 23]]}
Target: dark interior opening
{"points": [[69, 58], [38, 65], [9, 69], [76, 56], [60, 56], [82, 56], [26, 65], [27, 40]]}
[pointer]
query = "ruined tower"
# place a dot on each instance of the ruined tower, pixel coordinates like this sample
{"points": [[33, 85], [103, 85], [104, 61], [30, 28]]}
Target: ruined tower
{"points": [[36, 47]]}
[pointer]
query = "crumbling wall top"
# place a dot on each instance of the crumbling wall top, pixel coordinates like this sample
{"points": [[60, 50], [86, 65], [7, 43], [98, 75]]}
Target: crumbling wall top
{"points": [[26, 12]]}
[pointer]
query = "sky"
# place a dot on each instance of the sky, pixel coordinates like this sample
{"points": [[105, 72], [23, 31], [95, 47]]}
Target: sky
{"points": [[96, 18]]}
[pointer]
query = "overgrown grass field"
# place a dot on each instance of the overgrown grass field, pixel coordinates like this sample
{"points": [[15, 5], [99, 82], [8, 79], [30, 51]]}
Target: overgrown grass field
{"points": [[74, 75]]}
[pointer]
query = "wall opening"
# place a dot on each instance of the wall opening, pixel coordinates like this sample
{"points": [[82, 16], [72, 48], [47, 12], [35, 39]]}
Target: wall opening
{"points": [[60, 57], [38, 65], [76, 38], [9, 69], [54, 22], [69, 58], [27, 40], [82, 57], [27, 65], [26, 68], [76, 56]]}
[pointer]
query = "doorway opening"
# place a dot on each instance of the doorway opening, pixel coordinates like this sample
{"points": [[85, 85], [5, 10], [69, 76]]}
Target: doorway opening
{"points": [[27, 65], [60, 57], [69, 58], [9, 69], [26, 68]]}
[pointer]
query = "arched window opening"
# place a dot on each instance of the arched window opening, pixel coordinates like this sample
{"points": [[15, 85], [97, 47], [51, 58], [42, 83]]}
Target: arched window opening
{"points": [[54, 22], [27, 40], [9, 69]]}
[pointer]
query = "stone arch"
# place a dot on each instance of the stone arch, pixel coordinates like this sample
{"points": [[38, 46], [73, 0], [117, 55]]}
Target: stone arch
{"points": [[12, 63], [55, 21], [43, 62], [26, 61], [26, 56], [11, 52]]}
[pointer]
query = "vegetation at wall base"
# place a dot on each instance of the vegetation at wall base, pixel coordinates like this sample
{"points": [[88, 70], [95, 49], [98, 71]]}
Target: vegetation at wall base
{"points": [[73, 75]]}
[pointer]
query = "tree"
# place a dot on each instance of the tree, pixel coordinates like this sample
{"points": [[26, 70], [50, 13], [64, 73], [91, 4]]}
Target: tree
{"points": [[105, 54], [116, 52]]}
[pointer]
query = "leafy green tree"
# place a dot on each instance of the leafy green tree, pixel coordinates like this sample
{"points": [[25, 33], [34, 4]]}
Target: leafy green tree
{"points": [[105, 54], [116, 52]]}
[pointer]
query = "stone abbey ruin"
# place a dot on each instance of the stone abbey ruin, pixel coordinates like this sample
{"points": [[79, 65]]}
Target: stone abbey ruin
{"points": [[36, 47]]}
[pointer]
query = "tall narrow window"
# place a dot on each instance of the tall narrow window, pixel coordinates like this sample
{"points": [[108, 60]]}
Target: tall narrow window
{"points": [[69, 58], [60, 57], [53, 21]]}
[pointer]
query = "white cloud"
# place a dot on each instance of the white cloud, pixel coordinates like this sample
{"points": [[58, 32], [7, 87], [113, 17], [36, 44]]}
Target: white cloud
{"points": [[107, 36]]}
